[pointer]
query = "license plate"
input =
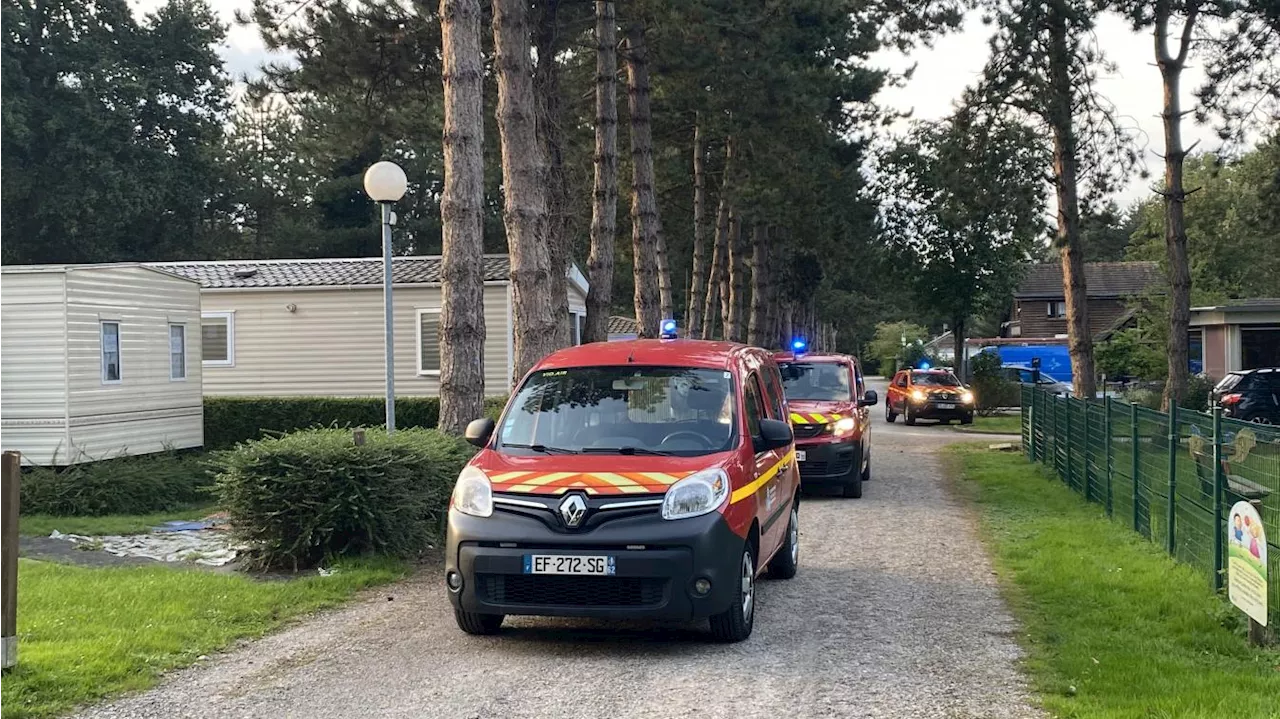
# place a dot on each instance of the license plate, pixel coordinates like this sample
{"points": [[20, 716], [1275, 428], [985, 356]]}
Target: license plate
{"points": [[800, 456], [569, 564], [946, 405]]}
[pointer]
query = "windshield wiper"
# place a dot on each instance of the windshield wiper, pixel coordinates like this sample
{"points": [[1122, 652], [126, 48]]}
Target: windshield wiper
{"points": [[627, 450], [542, 448]]}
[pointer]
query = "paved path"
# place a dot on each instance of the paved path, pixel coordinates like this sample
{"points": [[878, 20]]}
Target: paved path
{"points": [[895, 613]]}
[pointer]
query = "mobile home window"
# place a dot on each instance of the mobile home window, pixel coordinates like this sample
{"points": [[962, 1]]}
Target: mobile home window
{"points": [[177, 352], [1057, 309], [110, 335], [575, 328], [429, 342], [218, 339]]}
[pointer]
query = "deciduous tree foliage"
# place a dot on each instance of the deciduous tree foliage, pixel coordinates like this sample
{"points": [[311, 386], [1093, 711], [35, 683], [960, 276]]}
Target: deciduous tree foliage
{"points": [[961, 202]]}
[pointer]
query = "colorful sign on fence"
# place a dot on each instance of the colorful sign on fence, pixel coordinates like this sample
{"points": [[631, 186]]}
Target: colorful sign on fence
{"points": [[1247, 561]]}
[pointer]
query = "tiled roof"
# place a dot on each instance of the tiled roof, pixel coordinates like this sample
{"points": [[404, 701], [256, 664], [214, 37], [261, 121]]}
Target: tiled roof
{"points": [[623, 326], [224, 274], [1102, 279]]}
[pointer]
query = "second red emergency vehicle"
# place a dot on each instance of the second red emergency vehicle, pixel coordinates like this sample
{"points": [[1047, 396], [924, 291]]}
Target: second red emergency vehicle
{"points": [[828, 400]]}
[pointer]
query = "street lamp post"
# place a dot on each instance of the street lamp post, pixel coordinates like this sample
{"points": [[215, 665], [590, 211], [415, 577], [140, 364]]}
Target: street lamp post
{"points": [[385, 183]]}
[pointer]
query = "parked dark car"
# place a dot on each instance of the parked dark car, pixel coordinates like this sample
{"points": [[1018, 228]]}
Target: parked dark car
{"points": [[1250, 395]]}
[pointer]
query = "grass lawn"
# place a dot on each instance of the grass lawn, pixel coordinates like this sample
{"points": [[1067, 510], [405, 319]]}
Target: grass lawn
{"points": [[85, 634], [42, 525], [998, 424], [1114, 627]]}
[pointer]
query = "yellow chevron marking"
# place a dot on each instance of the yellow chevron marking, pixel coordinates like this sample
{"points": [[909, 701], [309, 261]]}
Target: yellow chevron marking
{"points": [[659, 477], [507, 477], [818, 419], [744, 492], [549, 478], [616, 480], [797, 418]]}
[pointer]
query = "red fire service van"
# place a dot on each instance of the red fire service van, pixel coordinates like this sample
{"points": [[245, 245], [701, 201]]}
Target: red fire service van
{"points": [[828, 403], [650, 478]]}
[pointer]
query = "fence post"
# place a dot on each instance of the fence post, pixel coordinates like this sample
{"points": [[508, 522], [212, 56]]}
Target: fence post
{"points": [[1088, 483], [1171, 516], [1133, 439], [10, 473], [1109, 460], [1031, 422], [1217, 499], [1069, 471]]}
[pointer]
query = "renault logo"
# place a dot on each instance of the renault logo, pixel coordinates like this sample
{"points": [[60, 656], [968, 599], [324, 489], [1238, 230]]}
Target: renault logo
{"points": [[572, 509]]}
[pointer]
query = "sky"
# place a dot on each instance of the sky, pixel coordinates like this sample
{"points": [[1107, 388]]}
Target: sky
{"points": [[942, 72]]}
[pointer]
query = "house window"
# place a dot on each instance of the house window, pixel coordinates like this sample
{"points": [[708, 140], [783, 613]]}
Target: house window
{"points": [[177, 352], [218, 339], [1057, 309], [575, 328], [429, 342], [110, 336], [1195, 351]]}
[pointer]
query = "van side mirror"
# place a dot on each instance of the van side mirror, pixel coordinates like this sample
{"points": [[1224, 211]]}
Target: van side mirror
{"points": [[870, 399], [479, 431], [774, 433]]}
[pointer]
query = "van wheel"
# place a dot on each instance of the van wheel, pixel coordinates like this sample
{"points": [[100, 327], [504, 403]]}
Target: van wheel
{"points": [[908, 417], [734, 624], [787, 560], [479, 624], [866, 470], [967, 419], [889, 416]]}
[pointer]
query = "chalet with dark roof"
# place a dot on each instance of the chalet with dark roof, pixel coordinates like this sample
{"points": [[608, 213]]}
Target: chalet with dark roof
{"points": [[1040, 308]]}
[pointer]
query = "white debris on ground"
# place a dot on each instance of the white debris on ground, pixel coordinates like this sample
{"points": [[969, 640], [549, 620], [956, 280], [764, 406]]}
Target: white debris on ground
{"points": [[210, 547]]}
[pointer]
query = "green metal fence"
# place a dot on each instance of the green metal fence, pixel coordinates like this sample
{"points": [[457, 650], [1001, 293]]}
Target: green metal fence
{"points": [[1172, 476]]}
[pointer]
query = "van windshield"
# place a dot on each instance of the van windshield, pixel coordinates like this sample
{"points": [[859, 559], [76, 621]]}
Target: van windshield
{"points": [[622, 410], [818, 381], [934, 379]]}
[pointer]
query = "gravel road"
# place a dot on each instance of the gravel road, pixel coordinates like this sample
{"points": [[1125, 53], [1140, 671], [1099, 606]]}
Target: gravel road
{"points": [[894, 613]]}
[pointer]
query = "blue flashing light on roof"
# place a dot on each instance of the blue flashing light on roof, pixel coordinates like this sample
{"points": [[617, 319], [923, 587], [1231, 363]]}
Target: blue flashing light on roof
{"points": [[924, 365], [798, 345], [667, 330]]}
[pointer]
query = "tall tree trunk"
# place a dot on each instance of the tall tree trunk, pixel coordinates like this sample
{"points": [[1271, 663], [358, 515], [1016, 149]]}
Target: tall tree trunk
{"points": [[758, 332], [645, 228], [462, 329], [524, 211], [719, 269], [957, 344], [735, 325], [604, 193], [546, 80], [1065, 164], [1175, 197], [697, 285]]}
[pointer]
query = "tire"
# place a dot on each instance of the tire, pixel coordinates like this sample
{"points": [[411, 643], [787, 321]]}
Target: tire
{"points": [[889, 416], [478, 624], [785, 563], [866, 469], [852, 488], [967, 419], [734, 624], [908, 418]]}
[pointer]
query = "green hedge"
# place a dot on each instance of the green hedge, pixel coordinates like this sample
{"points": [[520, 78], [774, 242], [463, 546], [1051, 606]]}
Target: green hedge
{"points": [[126, 485], [308, 496], [231, 420]]}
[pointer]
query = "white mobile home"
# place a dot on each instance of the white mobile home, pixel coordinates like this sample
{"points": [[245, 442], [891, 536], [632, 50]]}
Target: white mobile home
{"points": [[97, 361], [281, 328]]}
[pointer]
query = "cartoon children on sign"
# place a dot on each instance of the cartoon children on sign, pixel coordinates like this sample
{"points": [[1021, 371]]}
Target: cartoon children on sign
{"points": [[1247, 561]]}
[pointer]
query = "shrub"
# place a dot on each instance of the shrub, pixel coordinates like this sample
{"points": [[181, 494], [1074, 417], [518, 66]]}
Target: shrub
{"points": [[306, 496], [993, 390], [231, 420], [124, 485]]}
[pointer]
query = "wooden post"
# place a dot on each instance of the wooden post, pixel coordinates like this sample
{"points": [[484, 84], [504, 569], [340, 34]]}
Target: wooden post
{"points": [[1133, 460], [358, 435], [10, 471]]}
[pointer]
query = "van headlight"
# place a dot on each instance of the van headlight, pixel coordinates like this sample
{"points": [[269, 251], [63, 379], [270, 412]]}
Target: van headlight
{"points": [[967, 397], [698, 494], [918, 395], [844, 425], [473, 494]]}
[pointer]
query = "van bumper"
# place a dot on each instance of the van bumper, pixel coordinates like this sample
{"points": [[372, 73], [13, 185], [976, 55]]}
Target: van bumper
{"points": [[657, 563]]}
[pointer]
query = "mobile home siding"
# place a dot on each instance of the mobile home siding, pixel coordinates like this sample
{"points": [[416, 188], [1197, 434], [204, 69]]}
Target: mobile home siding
{"points": [[33, 389], [327, 341], [146, 411], [52, 363]]}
